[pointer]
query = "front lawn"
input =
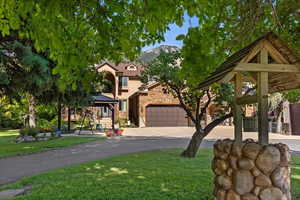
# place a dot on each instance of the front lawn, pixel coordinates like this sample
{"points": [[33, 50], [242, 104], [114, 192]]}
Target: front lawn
{"points": [[9, 148], [157, 175]]}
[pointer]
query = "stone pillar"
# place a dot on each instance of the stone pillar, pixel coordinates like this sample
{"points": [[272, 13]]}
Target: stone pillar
{"points": [[250, 171]]}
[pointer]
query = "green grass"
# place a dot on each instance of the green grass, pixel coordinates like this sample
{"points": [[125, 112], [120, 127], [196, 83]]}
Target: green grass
{"points": [[157, 175], [9, 148]]}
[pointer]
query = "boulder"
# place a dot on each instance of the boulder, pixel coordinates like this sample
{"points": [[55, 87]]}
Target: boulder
{"points": [[271, 194], [236, 149], [224, 182], [251, 150], [231, 195], [256, 190], [249, 196], [245, 163], [243, 182], [255, 172], [281, 177], [263, 181], [268, 160], [221, 195], [285, 156], [233, 162]]}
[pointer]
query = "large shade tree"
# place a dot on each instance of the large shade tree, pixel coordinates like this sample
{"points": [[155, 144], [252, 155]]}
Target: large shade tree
{"points": [[167, 70]]}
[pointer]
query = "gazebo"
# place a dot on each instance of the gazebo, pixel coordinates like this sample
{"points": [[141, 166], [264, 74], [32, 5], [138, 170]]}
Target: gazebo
{"points": [[103, 101], [247, 169]]}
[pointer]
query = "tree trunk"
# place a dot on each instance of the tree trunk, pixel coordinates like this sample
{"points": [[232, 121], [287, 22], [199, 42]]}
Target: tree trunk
{"points": [[59, 115], [195, 142], [199, 135], [69, 118], [32, 111]]}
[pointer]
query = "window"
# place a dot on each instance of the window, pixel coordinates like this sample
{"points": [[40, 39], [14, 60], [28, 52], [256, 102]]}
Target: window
{"points": [[123, 105], [131, 68], [123, 82]]}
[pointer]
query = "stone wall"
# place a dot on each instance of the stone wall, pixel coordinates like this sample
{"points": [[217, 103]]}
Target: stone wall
{"points": [[250, 171]]}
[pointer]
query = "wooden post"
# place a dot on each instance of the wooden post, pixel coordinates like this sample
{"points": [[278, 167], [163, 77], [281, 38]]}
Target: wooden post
{"points": [[262, 94], [238, 119], [113, 118]]}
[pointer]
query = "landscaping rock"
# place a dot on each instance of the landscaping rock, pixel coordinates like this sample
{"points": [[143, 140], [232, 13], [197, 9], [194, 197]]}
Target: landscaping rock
{"points": [[221, 195], [224, 182], [233, 162], [255, 172], [249, 196], [268, 160], [263, 181], [271, 194], [245, 164], [231, 195], [236, 149], [243, 182], [280, 177], [251, 150]]}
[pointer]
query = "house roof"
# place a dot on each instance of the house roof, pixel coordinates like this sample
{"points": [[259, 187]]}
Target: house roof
{"points": [[102, 98], [279, 45], [122, 68]]}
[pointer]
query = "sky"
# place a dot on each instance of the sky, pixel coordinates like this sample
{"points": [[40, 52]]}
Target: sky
{"points": [[170, 36]]}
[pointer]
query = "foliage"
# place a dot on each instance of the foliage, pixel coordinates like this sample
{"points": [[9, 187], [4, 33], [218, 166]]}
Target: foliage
{"points": [[11, 113], [8, 147], [167, 70], [29, 132], [80, 33], [156, 175], [292, 96]]}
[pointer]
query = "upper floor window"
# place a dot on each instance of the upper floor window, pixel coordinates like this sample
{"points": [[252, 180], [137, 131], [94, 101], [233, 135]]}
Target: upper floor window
{"points": [[123, 82], [131, 68]]}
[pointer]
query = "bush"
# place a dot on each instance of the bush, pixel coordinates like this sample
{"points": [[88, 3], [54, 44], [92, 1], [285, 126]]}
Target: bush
{"points": [[29, 132]]}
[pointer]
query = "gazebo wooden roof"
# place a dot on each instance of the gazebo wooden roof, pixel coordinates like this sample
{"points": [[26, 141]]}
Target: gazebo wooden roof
{"points": [[269, 64], [283, 64]]}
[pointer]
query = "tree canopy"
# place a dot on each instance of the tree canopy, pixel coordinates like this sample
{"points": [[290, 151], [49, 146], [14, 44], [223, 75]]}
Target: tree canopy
{"points": [[79, 34]]}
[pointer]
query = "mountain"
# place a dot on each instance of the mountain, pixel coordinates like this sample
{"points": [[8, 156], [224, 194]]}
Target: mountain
{"points": [[149, 55]]}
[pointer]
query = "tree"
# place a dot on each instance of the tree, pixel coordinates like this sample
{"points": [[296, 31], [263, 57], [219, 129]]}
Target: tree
{"points": [[167, 71], [78, 34], [24, 72]]}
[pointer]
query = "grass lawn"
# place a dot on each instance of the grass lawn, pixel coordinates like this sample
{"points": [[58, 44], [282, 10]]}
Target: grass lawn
{"points": [[9, 148], [157, 175]]}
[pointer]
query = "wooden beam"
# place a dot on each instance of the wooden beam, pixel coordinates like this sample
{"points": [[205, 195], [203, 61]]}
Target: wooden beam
{"points": [[248, 99], [262, 94], [238, 119], [256, 67], [228, 77]]}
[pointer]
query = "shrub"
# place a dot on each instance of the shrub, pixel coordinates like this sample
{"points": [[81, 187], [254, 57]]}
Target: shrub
{"points": [[29, 132]]}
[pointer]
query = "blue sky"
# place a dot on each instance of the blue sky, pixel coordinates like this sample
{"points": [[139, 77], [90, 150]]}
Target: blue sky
{"points": [[170, 36]]}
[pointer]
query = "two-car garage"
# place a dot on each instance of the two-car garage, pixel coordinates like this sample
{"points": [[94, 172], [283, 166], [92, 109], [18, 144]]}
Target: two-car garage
{"points": [[165, 116]]}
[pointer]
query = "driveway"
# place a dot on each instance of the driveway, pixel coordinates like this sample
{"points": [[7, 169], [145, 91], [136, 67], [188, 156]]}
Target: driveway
{"points": [[135, 140], [220, 132]]}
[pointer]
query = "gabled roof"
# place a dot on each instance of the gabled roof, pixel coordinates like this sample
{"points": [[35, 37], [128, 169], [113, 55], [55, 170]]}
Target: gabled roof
{"points": [[277, 44], [122, 68]]}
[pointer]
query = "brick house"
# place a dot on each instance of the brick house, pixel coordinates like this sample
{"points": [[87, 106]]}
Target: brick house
{"points": [[153, 106]]}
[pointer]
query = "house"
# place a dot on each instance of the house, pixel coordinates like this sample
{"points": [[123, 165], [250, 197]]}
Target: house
{"points": [[153, 106]]}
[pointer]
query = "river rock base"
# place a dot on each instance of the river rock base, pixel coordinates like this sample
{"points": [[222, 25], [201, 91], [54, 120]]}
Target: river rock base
{"points": [[250, 171]]}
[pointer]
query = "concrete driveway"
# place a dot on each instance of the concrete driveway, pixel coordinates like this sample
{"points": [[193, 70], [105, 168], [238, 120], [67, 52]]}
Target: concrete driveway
{"points": [[220, 132]]}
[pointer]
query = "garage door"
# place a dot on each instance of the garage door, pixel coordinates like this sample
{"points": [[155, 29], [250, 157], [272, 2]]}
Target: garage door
{"points": [[165, 116]]}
